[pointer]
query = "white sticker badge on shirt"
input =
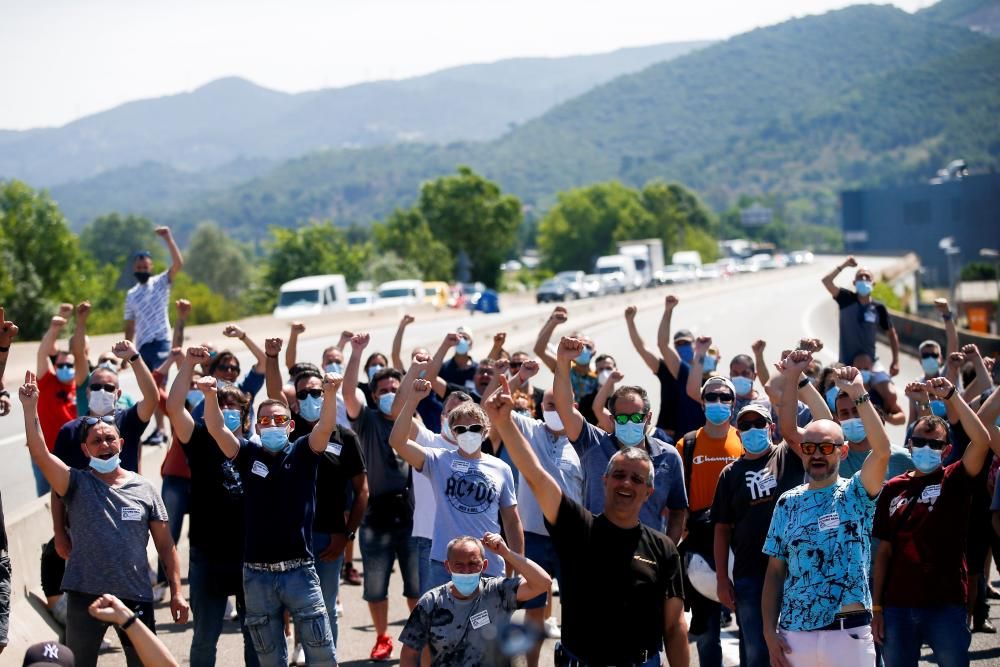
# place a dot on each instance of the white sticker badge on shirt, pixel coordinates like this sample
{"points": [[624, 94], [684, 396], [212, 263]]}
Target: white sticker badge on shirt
{"points": [[829, 521], [335, 448], [460, 465], [566, 464], [480, 619], [259, 469], [930, 493], [131, 514]]}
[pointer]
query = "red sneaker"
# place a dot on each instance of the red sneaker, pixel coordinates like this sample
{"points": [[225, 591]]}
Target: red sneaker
{"points": [[383, 649]]}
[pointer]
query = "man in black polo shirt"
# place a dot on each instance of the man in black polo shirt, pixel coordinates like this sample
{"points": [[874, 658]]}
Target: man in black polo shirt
{"points": [[279, 489], [622, 592]]}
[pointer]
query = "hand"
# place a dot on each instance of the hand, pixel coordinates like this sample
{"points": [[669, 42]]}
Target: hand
{"points": [[813, 345], [345, 337], [421, 390], [233, 331], [850, 261], [727, 594], [124, 349], [501, 366], [298, 328], [331, 383], [8, 330], [499, 339], [64, 545], [559, 316], [451, 339], [529, 369], [57, 323], [5, 406], [955, 360], [499, 404], [495, 544], [777, 647], [179, 609], [758, 347], [110, 609], [971, 352], [569, 348], [334, 550], [795, 363], [939, 387], [65, 310], [701, 345], [28, 393], [916, 392], [272, 346], [894, 368], [878, 627], [176, 355], [197, 355], [670, 302], [206, 383], [942, 306], [163, 232], [83, 311], [989, 362], [407, 320], [630, 312], [360, 341], [850, 382], [183, 307], [616, 377]]}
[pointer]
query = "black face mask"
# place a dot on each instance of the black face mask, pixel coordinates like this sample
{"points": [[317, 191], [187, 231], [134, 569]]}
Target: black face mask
{"points": [[141, 276]]}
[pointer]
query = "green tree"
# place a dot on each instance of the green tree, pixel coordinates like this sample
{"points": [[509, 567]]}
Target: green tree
{"points": [[469, 213], [407, 235], [113, 239], [386, 266], [218, 261], [316, 248]]}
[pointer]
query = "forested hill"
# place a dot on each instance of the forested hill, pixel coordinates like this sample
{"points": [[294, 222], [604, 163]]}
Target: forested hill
{"points": [[864, 95]]}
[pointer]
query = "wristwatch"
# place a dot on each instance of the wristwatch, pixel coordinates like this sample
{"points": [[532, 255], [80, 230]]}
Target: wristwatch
{"points": [[134, 358], [863, 398]]}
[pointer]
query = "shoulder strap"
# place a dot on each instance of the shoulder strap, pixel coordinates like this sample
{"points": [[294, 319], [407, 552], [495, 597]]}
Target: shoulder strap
{"points": [[690, 439]]}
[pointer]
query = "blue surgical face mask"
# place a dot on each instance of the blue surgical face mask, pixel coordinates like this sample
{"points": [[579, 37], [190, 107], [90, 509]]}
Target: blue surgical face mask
{"points": [[334, 367], [372, 370], [938, 408], [309, 408], [931, 366], [586, 354], [756, 440], [925, 459], [462, 346], [385, 403], [195, 397], [630, 434], [274, 438], [831, 397], [104, 466], [685, 352], [232, 419], [710, 363], [866, 377], [743, 385], [718, 413], [466, 584], [854, 429], [863, 287], [64, 375]]}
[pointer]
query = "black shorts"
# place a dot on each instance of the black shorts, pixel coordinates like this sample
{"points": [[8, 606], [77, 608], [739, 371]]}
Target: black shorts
{"points": [[53, 569]]}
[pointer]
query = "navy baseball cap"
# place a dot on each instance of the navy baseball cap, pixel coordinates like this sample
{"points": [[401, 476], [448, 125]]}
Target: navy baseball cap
{"points": [[45, 654], [142, 253]]}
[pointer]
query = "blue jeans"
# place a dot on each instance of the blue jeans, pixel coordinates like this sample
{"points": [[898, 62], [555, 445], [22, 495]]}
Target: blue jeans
{"points": [[753, 648], [423, 548], [707, 615], [379, 548], [176, 493], [154, 353], [329, 579], [41, 484], [208, 604], [268, 594], [941, 628]]}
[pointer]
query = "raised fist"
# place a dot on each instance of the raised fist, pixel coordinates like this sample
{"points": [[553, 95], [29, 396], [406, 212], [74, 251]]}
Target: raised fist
{"points": [[670, 302], [124, 349], [758, 346], [233, 331], [407, 320], [560, 315], [162, 232], [298, 328], [360, 341], [272, 346], [630, 312], [569, 348]]}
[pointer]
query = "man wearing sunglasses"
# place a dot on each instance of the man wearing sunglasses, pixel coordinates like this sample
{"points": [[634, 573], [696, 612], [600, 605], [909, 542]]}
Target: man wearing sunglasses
{"points": [[818, 542], [922, 519], [278, 477], [741, 513]]}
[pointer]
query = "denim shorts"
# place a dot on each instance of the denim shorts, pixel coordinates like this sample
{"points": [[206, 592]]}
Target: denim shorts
{"points": [[540, 549], [154, 353], [379, 548]]}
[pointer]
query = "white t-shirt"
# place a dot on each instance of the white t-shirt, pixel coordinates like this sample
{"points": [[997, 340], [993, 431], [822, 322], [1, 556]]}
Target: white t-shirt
{"points": [[559, 459], [425, 507]]}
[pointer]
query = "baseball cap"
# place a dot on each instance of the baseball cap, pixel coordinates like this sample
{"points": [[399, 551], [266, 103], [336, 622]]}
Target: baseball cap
{"points": [[49, 653], [141, 253], [684, 334], [718, 381], [756, 408]]}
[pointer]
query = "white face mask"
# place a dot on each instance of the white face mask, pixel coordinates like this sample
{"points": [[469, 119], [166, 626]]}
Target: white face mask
{"points": [[603, 376], [446, 430], [552, 420], [102, 402], [469, 442]]}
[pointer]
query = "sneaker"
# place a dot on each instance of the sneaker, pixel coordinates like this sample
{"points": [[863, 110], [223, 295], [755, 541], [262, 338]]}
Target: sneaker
{"points": [[552, 630], [155, 439], [230, 613], [555, 587], [160, 592], [383, 649], [299, 655], [339, 610], [351, 576], [985, 627]]}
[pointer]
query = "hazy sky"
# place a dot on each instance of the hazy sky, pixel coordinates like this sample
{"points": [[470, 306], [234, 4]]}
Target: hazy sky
{"points": [[62, 59]]}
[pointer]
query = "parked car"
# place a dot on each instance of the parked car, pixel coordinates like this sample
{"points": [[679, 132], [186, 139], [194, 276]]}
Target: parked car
{"points": [[594, 284], [709, 272], [674, 274], [574, 281], [802, 257], [553, 290], [436, 293], [362, 300], [400, 292], [312, 295]]}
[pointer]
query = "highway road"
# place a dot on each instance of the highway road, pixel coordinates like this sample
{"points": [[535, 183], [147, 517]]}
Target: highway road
{"points": [[779, 306]]}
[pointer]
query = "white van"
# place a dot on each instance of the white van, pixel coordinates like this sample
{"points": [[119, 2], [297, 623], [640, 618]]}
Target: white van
{"points": [[619, 273], [312, 295], [400, 292]]}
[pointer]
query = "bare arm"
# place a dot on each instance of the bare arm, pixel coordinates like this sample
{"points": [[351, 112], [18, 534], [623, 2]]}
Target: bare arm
{"points": [[360, 504], [397, 342], [675, 524], [358, 344], [701, 345], [319, 438], [513, 528], [880, 569], [558, 316], [534, 580], [791, 368], [167, 551], [130, 329], [562, 389], [54, 470], [234, 331], [651, 360], [151, 651], [983, 381], [291, 352], [675, 633], [667, 352], [409, 657], [770, 605], [216, 425], [176, 259], [399, 438], [830, 277], [723, 584], [758, 356], [78, 345], [183, 307], [498, 342], [272, 374], [873, 469], [604, 419], [48, 342], [181, 422]]}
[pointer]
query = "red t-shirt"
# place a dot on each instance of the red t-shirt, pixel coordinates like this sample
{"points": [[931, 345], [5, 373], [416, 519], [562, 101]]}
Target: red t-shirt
{"points": [[926, 519], [56, 406]]}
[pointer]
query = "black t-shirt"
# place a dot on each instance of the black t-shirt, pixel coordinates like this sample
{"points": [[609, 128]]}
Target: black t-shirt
{"points": [[68, 449], [338, 465], [279, 501], [216, 504], [858, 322], [745, 498], [452, 374], [614, 584], [679, 413]]}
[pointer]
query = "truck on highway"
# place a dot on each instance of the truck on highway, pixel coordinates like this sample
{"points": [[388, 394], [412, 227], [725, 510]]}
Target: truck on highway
{"points": [[688, 258], [648, 257], [312, 295], [619, 272]]}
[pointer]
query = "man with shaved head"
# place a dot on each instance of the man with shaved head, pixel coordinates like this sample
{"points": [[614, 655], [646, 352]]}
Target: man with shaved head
{"points": [[819, 543]]}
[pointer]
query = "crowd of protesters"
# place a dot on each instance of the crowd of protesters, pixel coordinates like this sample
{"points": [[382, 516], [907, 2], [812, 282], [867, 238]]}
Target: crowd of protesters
{"points": [[768, 489]]}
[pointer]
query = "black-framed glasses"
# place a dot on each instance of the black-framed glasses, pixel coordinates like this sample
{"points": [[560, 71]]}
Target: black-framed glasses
{"points": [[471, 428], [107, 419], [635, 418], [933, 443], [747, 424], [718, 397], [302, 393], [825, 448], [227, 368], [97, 386], [277, 420], [929, 355], [64, 364]]}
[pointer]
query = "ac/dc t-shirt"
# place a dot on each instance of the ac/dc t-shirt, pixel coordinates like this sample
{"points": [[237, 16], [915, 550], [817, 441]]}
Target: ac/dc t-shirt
{"points": [[925, 518]]}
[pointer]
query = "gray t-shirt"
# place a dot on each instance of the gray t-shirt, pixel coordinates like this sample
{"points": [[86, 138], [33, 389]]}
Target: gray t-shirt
{"points": [[462, 633], [110, 532], [899, 462], [469, 494], [387, 472], [557, 456]]}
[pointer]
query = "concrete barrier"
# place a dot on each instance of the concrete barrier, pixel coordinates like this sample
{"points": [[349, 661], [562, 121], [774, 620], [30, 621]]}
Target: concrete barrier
{"points": [[913, 330]]}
